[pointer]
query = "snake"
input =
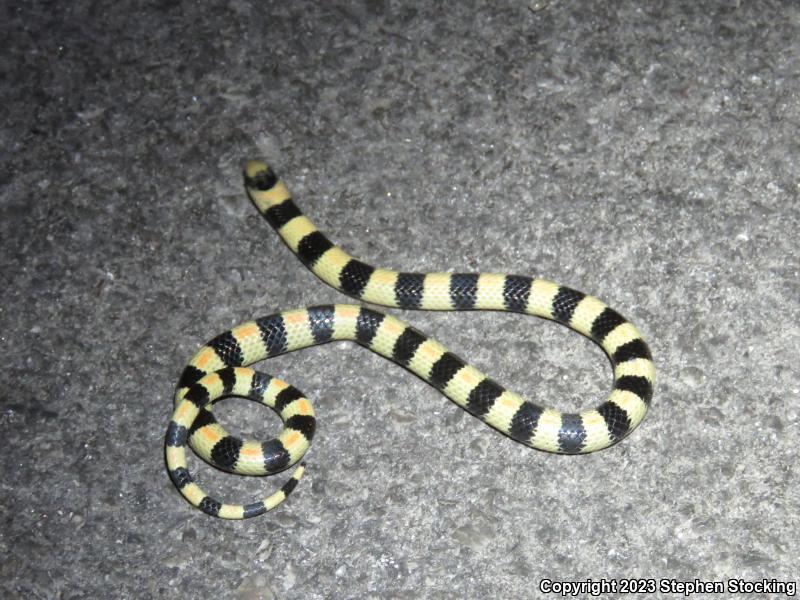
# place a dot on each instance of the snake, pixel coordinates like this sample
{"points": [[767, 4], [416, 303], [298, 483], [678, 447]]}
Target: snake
{"points": [[221, 368]]}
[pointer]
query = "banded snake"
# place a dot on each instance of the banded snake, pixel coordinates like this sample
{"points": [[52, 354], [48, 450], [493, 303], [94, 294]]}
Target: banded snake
{"points": [[220, 368]]}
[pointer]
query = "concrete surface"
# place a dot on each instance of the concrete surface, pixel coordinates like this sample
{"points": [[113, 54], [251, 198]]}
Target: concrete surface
{"points": [[644, 152]]}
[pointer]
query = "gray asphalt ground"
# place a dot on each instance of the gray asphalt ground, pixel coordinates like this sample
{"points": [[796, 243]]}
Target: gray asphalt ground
{"points": [[644, 152]]}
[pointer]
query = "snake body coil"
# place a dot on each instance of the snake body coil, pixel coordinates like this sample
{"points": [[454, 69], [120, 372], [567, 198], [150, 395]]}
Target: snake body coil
{"points": [[218, 369]]}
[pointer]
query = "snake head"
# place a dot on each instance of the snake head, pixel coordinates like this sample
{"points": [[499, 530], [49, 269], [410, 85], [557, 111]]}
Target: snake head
{"points": [[259, 176]]}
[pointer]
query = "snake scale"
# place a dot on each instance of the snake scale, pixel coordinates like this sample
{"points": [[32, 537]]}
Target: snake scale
{"points": [[219, 368]]}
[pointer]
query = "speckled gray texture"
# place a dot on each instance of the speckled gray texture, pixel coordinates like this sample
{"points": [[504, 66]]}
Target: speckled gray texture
{"points": [[646, 153]]}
